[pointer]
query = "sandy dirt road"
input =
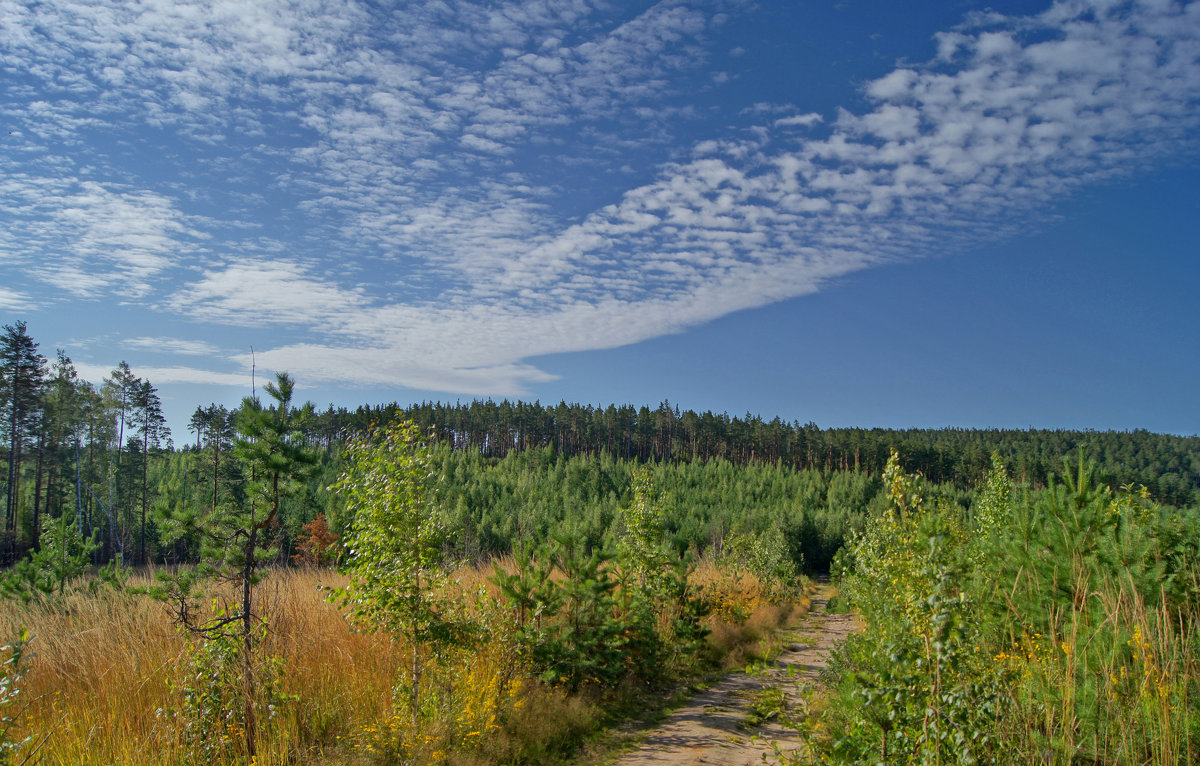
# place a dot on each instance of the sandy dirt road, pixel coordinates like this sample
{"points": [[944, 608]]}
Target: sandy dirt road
{"points": [[711, 728]]}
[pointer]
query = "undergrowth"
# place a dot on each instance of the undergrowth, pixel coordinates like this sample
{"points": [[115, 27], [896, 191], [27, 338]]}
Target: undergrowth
{"points": [[1053, 627], [113, 681]]}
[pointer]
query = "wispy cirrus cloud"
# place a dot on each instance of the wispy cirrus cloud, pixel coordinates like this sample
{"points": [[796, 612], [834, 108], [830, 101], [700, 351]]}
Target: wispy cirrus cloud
{"points": [[159, 375], [172, 346], [391, 130], [403, 170], [88, 239], [268, 292], [14, 300]]}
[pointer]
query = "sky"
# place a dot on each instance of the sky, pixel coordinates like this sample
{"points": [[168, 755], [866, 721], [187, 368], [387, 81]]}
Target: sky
{"points": [[858, 213]]}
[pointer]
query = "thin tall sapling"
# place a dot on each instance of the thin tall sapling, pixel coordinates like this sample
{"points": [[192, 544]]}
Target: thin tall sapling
{"points": [[235, 537], [394, 542]]}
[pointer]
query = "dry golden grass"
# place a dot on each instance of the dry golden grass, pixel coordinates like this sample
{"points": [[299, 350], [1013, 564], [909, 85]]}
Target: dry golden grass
{"points": [[745, 614], [106, 670], [103, 667]]}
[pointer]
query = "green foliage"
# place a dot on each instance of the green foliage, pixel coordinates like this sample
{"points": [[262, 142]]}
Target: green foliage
{"points": [[994, 507], [64, 556], [509, 470], [395, 535], [394, 545], [236, 538], [494, 506], [211, 718], [766, 704], [765, 555], [914, 687], [586, 617], [22, 374], [641, 544], [1058, 627], [665, 631], [1167, 464], [593, 624], [12, 671], [585, 636], [529, 592]]}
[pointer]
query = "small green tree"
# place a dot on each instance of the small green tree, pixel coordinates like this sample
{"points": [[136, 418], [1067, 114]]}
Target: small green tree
{"points": [[62, 558], [641, 548], [993, 509], [235, 537], [662, 612], [765, 555], [588, 642], [394, 543]]}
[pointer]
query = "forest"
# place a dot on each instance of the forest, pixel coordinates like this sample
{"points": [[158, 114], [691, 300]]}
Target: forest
{"points": [[104, 451], [502, 583]]}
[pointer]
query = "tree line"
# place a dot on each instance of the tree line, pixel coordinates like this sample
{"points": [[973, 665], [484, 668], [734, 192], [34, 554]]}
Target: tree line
{"points": [[102, 455], [71, 446], [1168, 465]]}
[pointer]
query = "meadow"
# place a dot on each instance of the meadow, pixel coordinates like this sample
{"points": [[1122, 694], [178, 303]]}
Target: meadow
{"points": [[110, 678], [393, 599]]}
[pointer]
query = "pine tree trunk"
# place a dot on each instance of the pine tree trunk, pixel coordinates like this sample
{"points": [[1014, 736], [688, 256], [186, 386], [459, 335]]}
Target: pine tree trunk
{"points": [[248, 690], [37, 492], [216, 466], [145, 490], [14, 451]]}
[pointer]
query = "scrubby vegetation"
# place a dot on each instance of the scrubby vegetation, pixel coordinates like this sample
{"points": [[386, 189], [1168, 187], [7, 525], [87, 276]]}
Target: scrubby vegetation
{"points": [[109, 678], [1057, 626], [407, 658], [493, 582]]}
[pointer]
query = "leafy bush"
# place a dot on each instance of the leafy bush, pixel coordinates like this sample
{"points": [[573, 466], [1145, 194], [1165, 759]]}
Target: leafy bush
{"points": [[1054, 627], [211, 717], [12, 670]]}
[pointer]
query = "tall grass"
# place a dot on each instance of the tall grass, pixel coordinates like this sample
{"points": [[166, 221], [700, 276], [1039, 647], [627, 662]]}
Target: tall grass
{"points": [[1113, 680], [108, 670], [1058, 627], [108, 673]]}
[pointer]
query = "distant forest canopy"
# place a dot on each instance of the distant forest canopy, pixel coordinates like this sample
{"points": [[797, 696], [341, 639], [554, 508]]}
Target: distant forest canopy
{"points": [[1168, 465], [102, 457]]}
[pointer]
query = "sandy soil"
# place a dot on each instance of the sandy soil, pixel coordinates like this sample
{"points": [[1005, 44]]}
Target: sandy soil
{"points": [[711, 728]]}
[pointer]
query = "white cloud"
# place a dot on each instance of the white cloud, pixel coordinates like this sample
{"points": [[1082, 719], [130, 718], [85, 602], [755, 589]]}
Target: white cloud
{"points": [[159, 376], [799, 120], [14, 300], [172, 346], [421, 155], [268, 292], [95, 239]]}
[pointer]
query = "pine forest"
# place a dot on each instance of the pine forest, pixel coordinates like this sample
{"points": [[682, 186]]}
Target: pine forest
{"points": [[509, 582]]}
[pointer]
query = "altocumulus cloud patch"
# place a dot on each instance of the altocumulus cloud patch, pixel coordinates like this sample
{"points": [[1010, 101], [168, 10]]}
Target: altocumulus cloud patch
{"points": [[397, 185]]}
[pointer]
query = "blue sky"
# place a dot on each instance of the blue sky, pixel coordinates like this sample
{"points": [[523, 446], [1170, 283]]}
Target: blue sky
{"points": [[855, 213]]}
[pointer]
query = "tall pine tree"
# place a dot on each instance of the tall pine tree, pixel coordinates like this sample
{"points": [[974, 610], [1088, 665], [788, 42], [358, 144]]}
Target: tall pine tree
{"points": [[151, 427], [22, 375]]}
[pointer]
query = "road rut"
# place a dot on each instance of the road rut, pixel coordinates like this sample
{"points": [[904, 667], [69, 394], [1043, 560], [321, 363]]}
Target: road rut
{"points": [[711, 728]]}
